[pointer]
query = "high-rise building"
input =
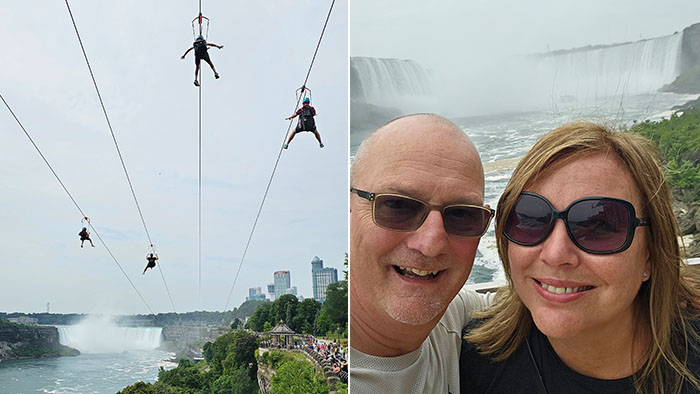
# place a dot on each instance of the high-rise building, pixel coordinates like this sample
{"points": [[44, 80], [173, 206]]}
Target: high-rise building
{"points": [[292, 290], [322, 277], [271, 291], [283, 281], [255, 293]]}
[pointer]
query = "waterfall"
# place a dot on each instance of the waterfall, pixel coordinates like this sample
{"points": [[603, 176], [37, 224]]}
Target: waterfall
{"points": [[381, 80], [100, 335], [593, 72]]}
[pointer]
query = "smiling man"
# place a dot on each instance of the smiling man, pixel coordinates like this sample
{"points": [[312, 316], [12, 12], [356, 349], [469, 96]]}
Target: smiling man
{"points": [[416, 217]]}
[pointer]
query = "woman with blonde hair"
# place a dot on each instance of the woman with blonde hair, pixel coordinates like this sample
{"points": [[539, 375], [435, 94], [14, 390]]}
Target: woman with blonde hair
{"points": [[592, 301]]}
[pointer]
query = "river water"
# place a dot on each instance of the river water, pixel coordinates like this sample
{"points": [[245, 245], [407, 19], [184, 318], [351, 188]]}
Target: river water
{"points": [[111, 358]]}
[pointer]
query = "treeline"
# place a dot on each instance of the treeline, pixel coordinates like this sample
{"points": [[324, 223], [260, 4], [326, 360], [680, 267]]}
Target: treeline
{"points": [[230, 367], [160, 320], [308, 316], [678, 140]]}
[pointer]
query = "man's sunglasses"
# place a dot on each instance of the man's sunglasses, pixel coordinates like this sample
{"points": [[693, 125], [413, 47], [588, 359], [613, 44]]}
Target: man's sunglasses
{"points": [[402, 213], [598, 225]]}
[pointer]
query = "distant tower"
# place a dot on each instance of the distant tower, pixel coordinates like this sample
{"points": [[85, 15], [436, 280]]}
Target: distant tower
{"points": [[271, 291], [283, 281], [48, 307], [322, 277], [255, 293]]}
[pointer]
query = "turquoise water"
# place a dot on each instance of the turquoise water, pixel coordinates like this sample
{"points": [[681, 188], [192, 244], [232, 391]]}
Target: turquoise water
{"points": [[88, 373]]}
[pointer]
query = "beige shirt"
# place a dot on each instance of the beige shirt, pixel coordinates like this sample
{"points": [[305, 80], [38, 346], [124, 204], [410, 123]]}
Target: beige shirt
{"points": [[432, 368]]}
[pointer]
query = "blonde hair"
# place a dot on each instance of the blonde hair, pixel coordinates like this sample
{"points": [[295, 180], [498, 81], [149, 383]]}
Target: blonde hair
{"points": [[509, 322]]}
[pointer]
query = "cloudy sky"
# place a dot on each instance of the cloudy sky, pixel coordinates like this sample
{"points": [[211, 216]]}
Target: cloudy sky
{"points": [[134, 49], [455, 31]]}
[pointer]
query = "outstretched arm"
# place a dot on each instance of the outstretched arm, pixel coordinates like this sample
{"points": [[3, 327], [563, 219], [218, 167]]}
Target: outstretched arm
{"points": [[210, 44], [294, 115], [186, 52]]}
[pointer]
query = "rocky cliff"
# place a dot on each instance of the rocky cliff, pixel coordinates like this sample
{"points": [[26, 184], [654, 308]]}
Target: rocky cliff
{"points": [[22, 341], [689, 79]]}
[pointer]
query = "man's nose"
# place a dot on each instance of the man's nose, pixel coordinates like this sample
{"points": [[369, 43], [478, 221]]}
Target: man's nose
{"points": [[430, 239]]}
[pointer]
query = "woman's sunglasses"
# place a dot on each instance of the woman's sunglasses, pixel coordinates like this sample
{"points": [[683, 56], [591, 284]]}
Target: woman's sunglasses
{"points": [[598, 225], [402, 213]]}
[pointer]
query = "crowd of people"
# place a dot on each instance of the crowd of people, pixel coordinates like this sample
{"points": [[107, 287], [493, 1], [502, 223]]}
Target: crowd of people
{"points": [[334, 354]]}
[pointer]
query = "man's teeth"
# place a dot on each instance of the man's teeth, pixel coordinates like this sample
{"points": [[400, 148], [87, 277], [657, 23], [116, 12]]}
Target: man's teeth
{"points": [[562, 290], [418, 272]]}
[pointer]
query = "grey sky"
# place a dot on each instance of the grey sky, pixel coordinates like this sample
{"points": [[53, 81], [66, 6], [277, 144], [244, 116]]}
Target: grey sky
{"points": [[438, 32], [134, 48]]}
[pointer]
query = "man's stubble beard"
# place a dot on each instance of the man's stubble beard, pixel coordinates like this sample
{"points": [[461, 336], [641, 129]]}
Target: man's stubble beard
{"points": [[417, 308]]}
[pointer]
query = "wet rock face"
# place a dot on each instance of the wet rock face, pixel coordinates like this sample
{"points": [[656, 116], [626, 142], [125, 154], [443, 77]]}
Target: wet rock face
{"points": [[17, 341], [690, 47]]}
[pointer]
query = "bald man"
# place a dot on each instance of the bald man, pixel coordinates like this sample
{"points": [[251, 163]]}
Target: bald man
{"points": [[416, 217]]}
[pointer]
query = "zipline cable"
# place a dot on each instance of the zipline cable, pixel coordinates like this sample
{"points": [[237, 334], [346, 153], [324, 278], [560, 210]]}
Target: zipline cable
{"points": [[199, 283], [75, 203], [279, 154], [114, 138]]}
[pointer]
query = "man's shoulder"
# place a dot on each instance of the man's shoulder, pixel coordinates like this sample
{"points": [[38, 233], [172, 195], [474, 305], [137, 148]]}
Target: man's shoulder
{"points": [[462, 305]]}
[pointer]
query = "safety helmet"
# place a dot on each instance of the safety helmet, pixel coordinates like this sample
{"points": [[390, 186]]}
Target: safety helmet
{"points": [[307, 100], [200, 37], [84, 228], [151, 254]]}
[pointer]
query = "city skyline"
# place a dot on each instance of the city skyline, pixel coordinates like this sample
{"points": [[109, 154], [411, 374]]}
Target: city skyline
{"points": [[326, 275]]}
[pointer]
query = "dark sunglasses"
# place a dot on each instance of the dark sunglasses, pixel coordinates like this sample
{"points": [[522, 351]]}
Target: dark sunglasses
{"points": [[598, 225], [402, 213]]}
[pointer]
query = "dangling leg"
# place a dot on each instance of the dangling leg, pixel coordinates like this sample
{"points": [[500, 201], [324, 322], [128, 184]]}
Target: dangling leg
{"points": [[216, 75], [81, 242], [318, 137], [196, 71], [291, 137], [92, 244]]}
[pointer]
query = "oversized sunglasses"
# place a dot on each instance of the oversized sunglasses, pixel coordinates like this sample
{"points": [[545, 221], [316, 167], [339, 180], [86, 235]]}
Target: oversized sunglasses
{"points": [[597, 225], [402, 213]]}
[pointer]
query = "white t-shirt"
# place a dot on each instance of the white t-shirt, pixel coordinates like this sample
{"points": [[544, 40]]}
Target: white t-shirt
{"points": [[432, 368]]}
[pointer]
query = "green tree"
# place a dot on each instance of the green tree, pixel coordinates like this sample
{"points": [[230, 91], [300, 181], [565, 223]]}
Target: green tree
{"points": [[241, 354], [345, 263], [336, 303], [324, 323], [341, 388], [285, 308], [267, 326], [186, 375], [138, 388], [155, 388], [263, 314], [297, 376], [215, 353], [236, 324], [307, 311], [237, 382]]}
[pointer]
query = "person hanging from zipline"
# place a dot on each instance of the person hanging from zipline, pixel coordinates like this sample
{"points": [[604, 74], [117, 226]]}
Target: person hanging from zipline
{"points": [[201, 53], [151, 261], [85, 236], [306, 122]]}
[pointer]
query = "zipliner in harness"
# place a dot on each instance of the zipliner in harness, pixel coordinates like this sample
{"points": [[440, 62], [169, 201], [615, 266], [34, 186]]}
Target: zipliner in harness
{"points": [[306, 119]]}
